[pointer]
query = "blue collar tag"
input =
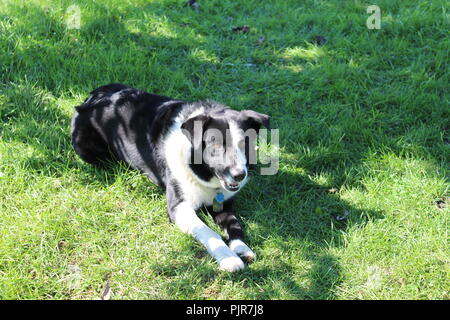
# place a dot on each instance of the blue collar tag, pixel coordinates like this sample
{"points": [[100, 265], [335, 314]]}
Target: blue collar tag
{"points": [[218, 202]]}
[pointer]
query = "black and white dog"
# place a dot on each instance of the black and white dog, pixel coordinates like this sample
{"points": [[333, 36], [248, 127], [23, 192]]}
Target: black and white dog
{"points": [[159, 136]]}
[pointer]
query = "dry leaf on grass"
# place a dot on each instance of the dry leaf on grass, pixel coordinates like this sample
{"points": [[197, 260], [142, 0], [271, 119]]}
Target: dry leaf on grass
{"points": [[106, 294]]}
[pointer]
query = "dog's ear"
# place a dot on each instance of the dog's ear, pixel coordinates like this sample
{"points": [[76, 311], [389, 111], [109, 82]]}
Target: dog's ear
{"points": [[193, 129], [255, 119]]}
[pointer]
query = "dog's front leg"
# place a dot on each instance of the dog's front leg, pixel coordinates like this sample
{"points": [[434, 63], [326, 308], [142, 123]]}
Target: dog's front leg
{"points": [[230, 224], [185, 217]]}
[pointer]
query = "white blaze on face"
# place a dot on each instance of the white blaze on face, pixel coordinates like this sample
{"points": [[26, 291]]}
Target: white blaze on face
{"points": [[237, 144]]}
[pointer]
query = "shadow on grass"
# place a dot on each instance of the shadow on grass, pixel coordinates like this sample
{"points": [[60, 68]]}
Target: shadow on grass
{"points": [[289, 206]]}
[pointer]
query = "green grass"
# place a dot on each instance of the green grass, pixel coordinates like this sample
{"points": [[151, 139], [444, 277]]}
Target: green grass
{"points": [[363, 121]]}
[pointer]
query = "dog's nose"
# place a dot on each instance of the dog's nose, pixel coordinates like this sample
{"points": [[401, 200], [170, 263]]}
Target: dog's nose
{"points": [[238, 175]]}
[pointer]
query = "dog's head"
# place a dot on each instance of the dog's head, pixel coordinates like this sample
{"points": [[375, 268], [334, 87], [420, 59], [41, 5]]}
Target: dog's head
{"points": [[223, 144]]}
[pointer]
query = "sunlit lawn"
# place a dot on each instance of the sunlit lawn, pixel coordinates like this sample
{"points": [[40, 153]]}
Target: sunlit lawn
{"points": [[363, 118]]}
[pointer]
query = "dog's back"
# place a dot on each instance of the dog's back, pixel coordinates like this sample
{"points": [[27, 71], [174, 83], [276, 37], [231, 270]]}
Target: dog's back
{"points": [[112, 124]]}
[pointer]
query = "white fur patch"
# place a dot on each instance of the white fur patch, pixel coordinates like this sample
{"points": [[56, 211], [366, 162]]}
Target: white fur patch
{"points": [[232, 264], [237, 135], [242, 250], [188, 221]]}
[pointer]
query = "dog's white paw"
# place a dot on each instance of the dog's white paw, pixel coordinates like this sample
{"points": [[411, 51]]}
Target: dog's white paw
{"points": [[231, 264], [242, 250]]}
